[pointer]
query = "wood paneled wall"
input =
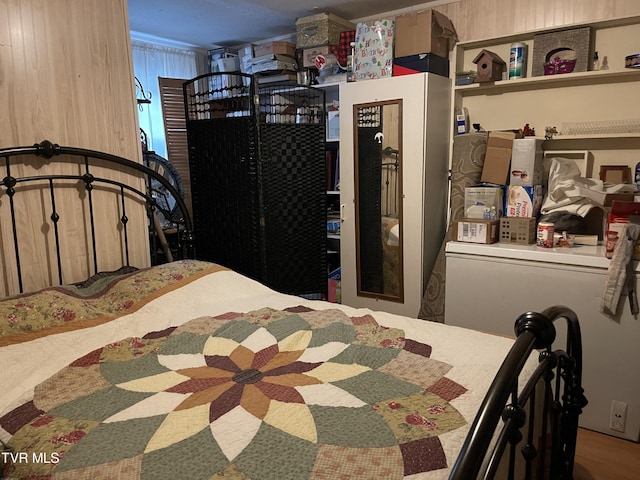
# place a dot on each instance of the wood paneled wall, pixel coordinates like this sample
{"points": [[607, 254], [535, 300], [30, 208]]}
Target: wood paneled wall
{"points": [[481, 19], [66, 75]]}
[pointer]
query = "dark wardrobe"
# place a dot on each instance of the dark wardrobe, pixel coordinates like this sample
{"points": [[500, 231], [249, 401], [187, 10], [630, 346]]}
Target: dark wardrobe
{"points": [[257, 164]]}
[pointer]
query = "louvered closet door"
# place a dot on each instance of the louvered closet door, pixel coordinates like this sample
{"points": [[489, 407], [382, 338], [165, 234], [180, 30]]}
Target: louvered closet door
{"points": [[175, 131]]}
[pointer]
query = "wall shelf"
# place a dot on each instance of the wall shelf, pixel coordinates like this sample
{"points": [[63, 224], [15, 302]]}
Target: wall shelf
{"points": [[605, 95], [601, 77]]}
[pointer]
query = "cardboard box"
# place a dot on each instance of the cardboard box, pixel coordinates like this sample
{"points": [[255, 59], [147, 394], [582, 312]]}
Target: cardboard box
{"points": [[498, 157], [309, 55], [320, 29], [474, 230], [479, 199], [523, 201], [423, 62], [427, 31], [276, 48], [526, 162], [518, 230]]}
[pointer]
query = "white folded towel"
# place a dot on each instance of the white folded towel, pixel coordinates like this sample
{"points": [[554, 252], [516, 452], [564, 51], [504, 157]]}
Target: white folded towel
{"points": [[620, 276]]}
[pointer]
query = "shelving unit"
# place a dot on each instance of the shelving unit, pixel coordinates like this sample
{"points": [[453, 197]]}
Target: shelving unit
{"points": [[548, 101], [332, 97]]}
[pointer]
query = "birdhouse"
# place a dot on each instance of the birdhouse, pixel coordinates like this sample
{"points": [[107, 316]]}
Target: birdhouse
{"points": [[490, 66]]}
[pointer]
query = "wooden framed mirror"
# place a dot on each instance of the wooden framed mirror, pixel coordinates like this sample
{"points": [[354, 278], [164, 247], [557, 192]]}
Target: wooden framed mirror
{"points": [[378, 197]]}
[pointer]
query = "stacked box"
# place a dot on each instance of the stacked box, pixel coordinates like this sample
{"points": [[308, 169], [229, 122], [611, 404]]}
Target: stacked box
{"points": [[526, 162], [480, 199], [523, 201], [424, 62], [519, 230], [427, 31], [320, 29], [498, 158], [275, 48], [475, 230]]}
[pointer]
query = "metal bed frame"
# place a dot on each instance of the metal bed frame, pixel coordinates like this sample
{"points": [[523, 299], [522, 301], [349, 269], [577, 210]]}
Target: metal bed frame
{"points": [[547, 453], [49, 152], [544, 414]]}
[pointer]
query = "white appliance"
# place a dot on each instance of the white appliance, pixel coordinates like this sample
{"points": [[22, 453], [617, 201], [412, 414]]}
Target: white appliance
{"points": [[489, 286]]}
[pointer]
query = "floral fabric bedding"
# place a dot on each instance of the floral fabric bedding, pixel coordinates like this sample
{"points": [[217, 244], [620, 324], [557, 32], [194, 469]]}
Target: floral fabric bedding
{"points": [[221, 377], [102, 298]]}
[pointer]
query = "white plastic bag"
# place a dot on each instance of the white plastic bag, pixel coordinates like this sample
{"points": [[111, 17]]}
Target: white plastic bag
{"points": [[570, 192]]}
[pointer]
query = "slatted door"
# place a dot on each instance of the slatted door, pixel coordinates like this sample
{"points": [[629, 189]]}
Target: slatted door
{"points": [[175, 130]]}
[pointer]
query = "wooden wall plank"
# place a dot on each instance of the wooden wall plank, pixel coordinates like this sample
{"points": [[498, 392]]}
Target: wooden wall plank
{"points": [[482, 19], [66, 75]]}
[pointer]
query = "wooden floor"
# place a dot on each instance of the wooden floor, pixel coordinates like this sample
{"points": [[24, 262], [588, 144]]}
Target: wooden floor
{"points": [[600, 456]]}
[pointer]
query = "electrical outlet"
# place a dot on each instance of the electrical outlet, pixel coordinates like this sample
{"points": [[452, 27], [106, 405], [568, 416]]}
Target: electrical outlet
{"points": [[618, 416]]}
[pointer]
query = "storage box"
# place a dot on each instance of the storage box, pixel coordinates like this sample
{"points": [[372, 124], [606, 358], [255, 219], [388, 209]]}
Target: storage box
{"points": [[216, 54], [519, 230], [526, 162], [480, 199], [423, 62], [475, 230], [309, 55], [277, 48], [498, 157], [523, 201], [320, 29], [427, 31]]}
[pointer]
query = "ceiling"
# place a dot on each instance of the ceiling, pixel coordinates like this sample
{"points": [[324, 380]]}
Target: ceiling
{"points": [[210, 23]]}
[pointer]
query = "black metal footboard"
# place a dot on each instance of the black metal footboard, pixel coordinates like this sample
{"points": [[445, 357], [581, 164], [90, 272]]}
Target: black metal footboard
{"points": [[90, 172], [537, 438]]}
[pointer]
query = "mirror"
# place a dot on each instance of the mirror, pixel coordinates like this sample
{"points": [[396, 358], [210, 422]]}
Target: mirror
{"points": [[378, 196]]}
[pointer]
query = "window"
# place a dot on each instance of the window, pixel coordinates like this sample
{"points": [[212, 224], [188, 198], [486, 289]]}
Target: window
{"points": [[150, 61]]}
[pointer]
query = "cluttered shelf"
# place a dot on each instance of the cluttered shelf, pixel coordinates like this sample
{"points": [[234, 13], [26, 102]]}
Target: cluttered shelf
{"points": [[600, 77]]}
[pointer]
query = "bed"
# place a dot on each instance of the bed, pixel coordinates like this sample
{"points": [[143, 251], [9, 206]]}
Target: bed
{"points": [[187, 369]]}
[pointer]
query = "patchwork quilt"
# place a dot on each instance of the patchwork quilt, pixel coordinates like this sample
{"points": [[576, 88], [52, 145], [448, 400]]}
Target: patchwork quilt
{"points": [[190, 370], [294, 393]]}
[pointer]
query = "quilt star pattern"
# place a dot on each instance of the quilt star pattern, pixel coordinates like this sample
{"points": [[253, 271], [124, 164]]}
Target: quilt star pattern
{"points": [[269, 394]]}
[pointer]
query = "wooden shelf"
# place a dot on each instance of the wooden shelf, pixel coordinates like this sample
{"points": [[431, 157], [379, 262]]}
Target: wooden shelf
{"points": [[600, 77], [601, 136]]}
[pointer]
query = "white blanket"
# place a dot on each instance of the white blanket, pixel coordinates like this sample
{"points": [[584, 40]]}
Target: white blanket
{"points": [[475, 356]]}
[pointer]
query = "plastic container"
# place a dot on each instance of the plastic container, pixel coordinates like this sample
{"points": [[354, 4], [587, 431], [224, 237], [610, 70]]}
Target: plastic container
{"points": [[518, 60], [544, 238], [462, 121]]}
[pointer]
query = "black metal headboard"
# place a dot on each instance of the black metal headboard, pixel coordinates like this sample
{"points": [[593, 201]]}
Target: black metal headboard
{"points": [[90, 162]]}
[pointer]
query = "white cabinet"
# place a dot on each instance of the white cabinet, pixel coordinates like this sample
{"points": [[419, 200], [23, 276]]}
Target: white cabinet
{"points": [[425, 126], [488, 286]]}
